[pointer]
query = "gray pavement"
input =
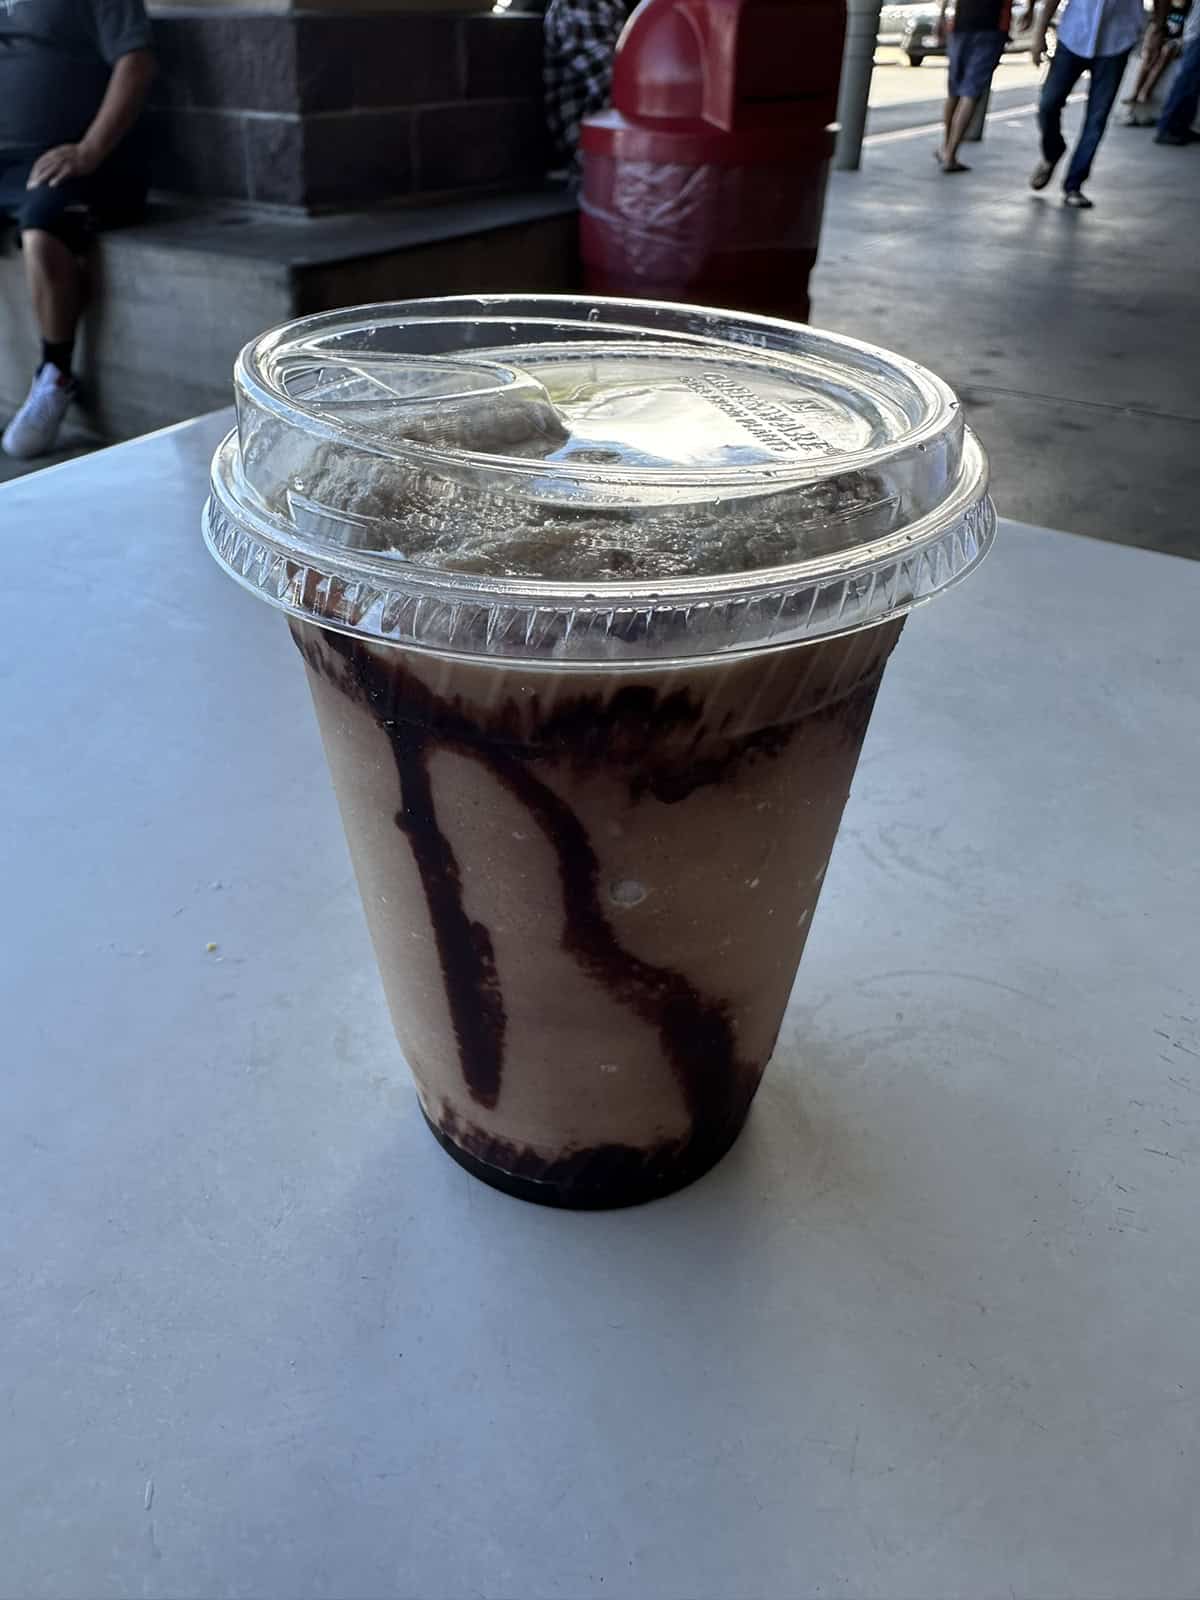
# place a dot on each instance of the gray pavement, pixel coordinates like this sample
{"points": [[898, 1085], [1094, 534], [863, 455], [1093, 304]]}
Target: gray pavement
{"points": [[1071, 336]]}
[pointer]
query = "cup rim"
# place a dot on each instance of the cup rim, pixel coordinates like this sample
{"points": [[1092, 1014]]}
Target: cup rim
{"points": [[253, 382], [937, 521]]}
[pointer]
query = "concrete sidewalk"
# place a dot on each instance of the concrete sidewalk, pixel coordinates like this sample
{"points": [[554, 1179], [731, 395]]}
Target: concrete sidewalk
{"points": [[1072, 337]]}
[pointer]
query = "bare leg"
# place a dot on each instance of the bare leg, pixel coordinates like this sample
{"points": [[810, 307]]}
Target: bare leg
{"points": [[1139, 83], [56, 290], [947, 123], [55, 284], [1165, 56], [955, 133], [1152, 48]]}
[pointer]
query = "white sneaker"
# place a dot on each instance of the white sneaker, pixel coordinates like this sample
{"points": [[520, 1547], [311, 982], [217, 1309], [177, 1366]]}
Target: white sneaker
{"points": [[33, 430]]}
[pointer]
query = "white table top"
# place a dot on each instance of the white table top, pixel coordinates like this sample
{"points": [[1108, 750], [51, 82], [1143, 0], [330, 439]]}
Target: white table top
{"points": [[930, 1330]]}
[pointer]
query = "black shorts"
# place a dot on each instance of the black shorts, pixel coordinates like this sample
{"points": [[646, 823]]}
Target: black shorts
{"points": [[74, 209], [974, 56]]}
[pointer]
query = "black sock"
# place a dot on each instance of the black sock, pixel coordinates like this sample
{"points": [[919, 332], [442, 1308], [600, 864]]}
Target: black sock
{"points": [[58, 354]]}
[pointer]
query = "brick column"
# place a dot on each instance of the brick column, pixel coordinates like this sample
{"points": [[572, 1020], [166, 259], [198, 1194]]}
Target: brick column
{"points": [[345, 105]]}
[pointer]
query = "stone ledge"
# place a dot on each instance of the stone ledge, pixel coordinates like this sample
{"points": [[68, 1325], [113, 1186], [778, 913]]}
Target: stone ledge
{"points": [[235, 270], [300, 242]]}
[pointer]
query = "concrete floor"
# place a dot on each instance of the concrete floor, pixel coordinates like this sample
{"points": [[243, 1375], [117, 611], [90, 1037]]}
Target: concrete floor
{"points": [[1071, 336]]}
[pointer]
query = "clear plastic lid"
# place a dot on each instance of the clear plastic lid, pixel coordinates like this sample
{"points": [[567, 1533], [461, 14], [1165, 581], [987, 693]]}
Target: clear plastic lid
{"points": [[590, 480]]}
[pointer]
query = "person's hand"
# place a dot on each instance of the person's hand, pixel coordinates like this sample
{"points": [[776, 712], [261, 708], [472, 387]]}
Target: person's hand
{"points": [[1038, 48], [64, 161]]}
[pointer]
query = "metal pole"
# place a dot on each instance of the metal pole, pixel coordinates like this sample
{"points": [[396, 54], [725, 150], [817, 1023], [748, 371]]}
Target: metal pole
{"points": [[975, 127], [858, 59]]}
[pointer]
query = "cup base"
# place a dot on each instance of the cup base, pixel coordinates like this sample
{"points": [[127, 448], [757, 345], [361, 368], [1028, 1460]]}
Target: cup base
{"points": [[601, 1180]]}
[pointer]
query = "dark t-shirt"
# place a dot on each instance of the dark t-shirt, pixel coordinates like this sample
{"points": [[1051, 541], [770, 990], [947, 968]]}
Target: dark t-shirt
{"points": [[56, 57], [972, 16]]}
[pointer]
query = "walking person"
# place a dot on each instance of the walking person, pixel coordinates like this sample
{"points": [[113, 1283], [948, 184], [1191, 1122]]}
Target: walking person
{"points": [[1175, 125], [976, 43], [1094, 36]]}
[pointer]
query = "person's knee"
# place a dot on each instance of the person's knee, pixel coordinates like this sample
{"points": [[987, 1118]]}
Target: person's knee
{"points": [[48, 258], [53, 214], [43, 248]]}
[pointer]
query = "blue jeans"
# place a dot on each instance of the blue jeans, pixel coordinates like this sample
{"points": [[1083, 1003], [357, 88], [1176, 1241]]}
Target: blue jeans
{"points": [[1180, 110], [1065, 72]]}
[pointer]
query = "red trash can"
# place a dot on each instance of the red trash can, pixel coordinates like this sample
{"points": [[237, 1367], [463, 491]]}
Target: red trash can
{"points": [[706, 180]]}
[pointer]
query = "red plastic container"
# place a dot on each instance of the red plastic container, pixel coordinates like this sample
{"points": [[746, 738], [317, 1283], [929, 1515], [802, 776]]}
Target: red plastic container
{"points": [[706, 180]]}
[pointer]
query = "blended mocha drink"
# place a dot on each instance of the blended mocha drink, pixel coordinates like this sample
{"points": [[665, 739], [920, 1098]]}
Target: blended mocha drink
{"points": [[594, 599]]}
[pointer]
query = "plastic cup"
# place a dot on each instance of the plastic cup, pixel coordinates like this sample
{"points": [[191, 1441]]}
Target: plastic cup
{"points": [[594, 598]]}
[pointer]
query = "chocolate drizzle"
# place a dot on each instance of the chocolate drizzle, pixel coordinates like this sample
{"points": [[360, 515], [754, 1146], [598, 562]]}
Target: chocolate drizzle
{"points": [[465, 950], [464, 947], [593, 1178], [664, 746], [696, 1033]]}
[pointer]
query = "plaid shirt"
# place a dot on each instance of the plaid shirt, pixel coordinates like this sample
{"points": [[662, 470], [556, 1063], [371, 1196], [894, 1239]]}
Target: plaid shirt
{"points": [[581, 36]]}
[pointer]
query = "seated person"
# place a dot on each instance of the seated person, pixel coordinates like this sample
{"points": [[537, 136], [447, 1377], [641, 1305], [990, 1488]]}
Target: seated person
{"points": [[1162, 45], [73, 76]]}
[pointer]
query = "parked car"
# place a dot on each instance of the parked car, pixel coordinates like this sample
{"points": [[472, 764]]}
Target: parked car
{"points": [[920, 37], [893, 15]]}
